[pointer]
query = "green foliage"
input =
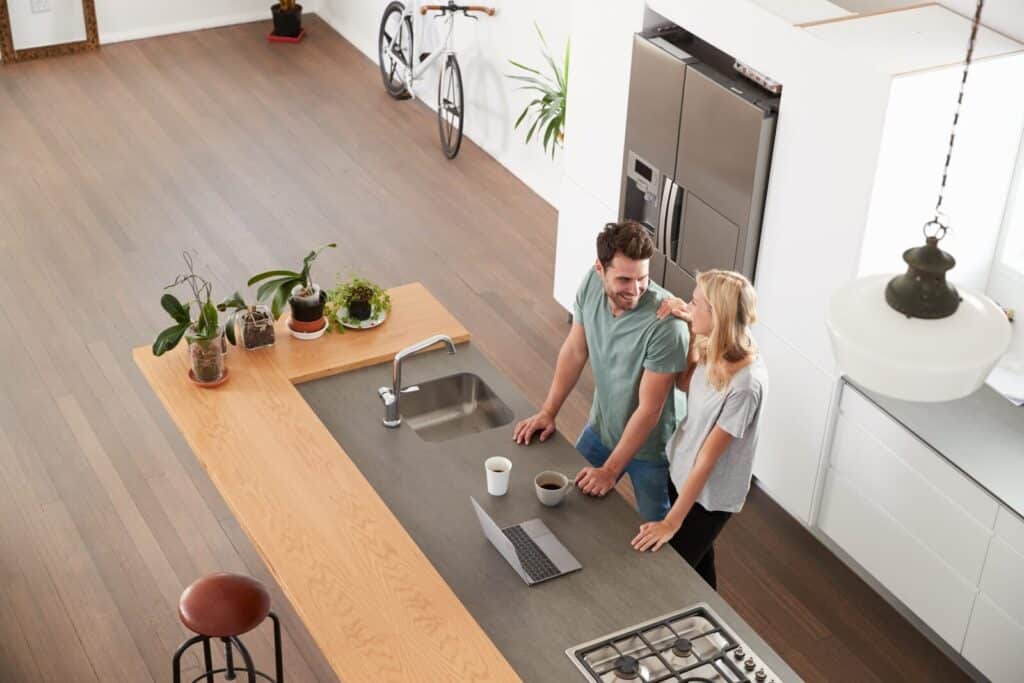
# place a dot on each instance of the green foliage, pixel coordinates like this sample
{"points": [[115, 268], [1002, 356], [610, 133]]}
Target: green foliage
{"points": [[278, 284], [236, 304], [205, 324], [356, 289], [547, 110]]}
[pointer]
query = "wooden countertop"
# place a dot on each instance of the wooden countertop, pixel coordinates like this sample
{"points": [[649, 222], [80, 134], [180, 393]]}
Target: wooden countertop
{"points": [[375, 605]]}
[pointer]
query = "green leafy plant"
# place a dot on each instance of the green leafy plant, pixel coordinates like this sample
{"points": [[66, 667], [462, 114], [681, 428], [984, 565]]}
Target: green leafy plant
{"points": [[203, 326], [547, 110], [344, 294], [279, 283]]}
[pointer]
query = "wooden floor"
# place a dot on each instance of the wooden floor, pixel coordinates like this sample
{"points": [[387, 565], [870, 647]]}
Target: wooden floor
{"points": [[251, 153]]}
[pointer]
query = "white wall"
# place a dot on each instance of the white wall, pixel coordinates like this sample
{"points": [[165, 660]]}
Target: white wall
{"points": [[484, 48], [62, 24], [131, 19]]}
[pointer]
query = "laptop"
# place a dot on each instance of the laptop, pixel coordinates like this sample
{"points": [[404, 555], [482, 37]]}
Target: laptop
{"points": [[530, 547]]}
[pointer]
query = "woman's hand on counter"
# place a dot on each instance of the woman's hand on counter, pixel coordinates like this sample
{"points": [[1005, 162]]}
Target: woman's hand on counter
{"points": [[653, 535], [541, 425]]}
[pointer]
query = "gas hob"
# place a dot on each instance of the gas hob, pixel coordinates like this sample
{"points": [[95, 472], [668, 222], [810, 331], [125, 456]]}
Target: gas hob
{"points": [[691, 645]]}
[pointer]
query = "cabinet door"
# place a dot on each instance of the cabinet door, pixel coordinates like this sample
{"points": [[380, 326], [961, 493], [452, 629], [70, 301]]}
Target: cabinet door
{"points": [[896, 559], [706, 238], [994, 642], [679, 282]]}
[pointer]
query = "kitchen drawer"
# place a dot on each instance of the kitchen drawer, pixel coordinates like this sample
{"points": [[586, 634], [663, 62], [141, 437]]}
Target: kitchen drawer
{"points": [[1010, 528], [926, 511], [956, 486], [911, 571], [995, 643], [1002, 581]]}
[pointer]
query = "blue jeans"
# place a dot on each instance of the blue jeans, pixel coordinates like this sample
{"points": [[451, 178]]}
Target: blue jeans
{"points": [[650, 479]]}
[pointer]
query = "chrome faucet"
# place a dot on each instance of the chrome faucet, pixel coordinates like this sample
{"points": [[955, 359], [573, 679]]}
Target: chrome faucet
{"points": [[390, 395]]}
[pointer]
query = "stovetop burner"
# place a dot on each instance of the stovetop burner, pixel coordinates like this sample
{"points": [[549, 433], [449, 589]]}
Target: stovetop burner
{"points": [[690, 646]]}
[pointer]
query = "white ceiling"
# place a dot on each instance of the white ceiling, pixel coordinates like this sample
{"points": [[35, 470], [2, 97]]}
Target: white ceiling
{"points": [[1005, 16]]}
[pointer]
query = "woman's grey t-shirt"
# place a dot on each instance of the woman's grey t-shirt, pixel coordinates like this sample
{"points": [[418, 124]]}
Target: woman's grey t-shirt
{"points": [[737, 410]]}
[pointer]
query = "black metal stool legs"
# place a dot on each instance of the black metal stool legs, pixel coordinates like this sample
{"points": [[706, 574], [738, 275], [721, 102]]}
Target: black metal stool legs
{"points": [[279, 656], [176, 663]]}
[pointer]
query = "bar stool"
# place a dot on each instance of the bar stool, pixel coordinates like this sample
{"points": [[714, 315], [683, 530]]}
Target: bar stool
{"points": [[226, 606]]}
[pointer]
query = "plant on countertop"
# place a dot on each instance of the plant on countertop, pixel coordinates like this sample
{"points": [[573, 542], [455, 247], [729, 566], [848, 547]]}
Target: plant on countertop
{"points": [[254, 322], [206, 345], [548, 109], [297, 289], [361, 300]]}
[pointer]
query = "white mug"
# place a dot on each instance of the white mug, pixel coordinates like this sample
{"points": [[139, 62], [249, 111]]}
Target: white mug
{"points": [[552, 487], [498, 472]]}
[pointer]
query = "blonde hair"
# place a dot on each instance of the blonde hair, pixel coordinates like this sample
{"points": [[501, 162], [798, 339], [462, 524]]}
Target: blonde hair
{"points": [[733, 304]]}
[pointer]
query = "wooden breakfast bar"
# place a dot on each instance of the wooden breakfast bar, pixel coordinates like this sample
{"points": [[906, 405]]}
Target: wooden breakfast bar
{"points": [[373, 602]]}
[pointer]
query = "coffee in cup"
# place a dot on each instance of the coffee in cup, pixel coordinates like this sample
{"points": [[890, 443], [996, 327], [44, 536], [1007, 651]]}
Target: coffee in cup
{"points": [[552, 487], [498, 470]]}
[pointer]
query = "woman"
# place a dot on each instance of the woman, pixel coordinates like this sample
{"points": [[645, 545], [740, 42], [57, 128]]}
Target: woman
{"points": [[711, 453]]}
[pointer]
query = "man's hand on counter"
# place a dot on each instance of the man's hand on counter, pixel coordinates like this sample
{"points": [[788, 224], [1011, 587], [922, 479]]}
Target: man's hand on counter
{"points": [[595, 481], [541, 426]]}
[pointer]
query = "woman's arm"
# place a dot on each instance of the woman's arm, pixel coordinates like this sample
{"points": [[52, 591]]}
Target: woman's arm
{"points": [[653, 535]]}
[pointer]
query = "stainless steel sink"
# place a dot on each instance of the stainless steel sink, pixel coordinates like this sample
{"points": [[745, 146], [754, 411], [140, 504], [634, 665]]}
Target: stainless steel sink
{"points": [[453, 406]]}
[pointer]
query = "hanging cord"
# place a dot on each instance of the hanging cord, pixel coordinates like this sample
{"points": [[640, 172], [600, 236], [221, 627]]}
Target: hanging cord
{"points": [[942, 228]]}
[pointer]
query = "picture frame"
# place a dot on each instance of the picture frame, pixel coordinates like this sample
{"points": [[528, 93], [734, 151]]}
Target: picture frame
{"points": [[9, 54]]}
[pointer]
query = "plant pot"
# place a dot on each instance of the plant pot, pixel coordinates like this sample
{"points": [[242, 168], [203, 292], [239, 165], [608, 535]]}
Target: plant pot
{"points": [[287, 24], [360, 310], [307, 308], [255, 327], [207, 357], [305, 327]]}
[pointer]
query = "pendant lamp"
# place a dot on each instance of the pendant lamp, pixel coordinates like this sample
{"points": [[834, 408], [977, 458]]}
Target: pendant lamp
{"points": [[915, 336]]}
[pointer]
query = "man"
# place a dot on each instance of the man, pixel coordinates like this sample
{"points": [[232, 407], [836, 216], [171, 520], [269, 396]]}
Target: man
{"points": [[635, 358]]}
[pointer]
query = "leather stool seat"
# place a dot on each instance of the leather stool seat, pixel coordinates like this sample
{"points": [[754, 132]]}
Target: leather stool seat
{"points": [[223, 605]]}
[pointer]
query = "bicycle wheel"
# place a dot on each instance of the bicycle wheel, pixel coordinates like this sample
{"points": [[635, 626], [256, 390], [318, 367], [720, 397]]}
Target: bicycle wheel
{"points": [[450, 111], [395, 61]]}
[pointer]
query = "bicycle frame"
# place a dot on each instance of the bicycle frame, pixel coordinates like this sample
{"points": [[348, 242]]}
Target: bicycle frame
{"points": [[415, 71]]}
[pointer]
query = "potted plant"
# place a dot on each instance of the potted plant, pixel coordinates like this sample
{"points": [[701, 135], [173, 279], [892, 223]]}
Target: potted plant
{"points": [[298, 289], [203, 332], [252, 325], [287, 19], [548, 106], [357, 303]]}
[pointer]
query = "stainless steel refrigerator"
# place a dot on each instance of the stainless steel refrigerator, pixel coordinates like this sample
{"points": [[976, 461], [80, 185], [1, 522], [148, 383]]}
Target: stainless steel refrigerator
{"points": [[697, 153]]}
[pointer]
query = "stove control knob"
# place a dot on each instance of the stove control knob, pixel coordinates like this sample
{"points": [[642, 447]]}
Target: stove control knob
{"points": [[739, 654], [749, 664], [760, 676]]}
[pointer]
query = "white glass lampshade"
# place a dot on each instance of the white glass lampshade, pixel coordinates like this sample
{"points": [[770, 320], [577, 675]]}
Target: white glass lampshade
{"points": [[914, 359]]}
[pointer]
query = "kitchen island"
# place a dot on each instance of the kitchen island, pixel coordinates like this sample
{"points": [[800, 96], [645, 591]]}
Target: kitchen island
{"points": [[374, 540]]}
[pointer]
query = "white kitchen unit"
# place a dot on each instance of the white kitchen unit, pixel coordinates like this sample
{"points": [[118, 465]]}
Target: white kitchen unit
{"points": [[941, 544], [995, 636], [852, 88], [602, 43]]}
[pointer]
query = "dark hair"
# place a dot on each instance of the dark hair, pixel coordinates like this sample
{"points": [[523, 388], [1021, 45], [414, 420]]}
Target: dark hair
{"points": [[629, 238]]}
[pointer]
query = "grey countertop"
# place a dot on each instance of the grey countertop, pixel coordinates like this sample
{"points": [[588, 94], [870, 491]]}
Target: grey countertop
{"points": [[427, 486], [981, 435]]}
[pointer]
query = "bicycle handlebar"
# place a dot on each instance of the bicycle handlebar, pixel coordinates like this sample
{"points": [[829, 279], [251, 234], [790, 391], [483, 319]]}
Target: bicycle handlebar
{"points": [[452, 7]]}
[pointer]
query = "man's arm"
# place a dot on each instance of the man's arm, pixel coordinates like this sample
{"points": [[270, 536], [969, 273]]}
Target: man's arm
{"points": [[571, 360], [654, 390]]}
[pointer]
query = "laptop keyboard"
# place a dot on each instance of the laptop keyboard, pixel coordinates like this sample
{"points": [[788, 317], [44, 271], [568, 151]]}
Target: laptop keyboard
{"points": [[535, 563]]}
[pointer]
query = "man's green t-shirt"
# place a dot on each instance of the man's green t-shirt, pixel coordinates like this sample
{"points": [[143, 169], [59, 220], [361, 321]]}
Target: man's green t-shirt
{"points": [[620, 349]]}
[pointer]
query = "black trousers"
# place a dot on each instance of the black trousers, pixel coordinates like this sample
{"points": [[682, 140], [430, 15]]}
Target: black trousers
{"points": [[695, 540]]}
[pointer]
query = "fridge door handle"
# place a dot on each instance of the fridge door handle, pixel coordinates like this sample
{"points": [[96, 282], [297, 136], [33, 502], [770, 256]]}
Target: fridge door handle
{"points": [[671, 221], [667, 187]]}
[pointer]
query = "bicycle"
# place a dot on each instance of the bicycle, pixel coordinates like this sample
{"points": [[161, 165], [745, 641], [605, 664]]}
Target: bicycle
{"points": [[400, 71]]}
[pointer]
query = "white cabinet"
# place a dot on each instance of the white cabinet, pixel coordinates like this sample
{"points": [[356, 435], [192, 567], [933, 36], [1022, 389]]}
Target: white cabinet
{"points": [[793, 424], [911, 520], [995, 637], [994, 643]]}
